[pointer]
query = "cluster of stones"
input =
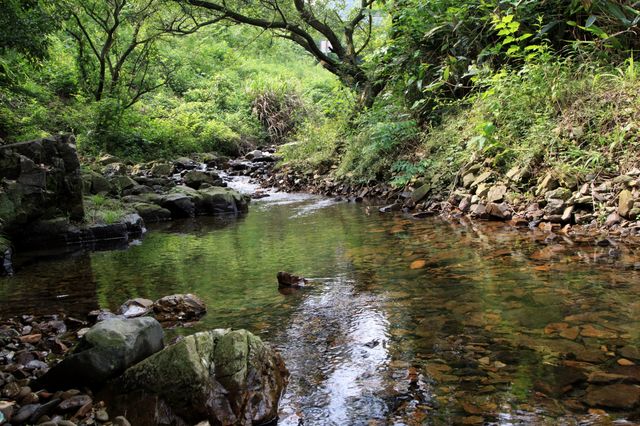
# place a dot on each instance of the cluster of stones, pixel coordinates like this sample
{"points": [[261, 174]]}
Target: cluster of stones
{"points": [[120, 372], [160, 191]]}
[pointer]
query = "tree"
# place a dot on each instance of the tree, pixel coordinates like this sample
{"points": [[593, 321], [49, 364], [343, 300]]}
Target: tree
{"points": [[307, 23], [24, 25], [116, 42]]}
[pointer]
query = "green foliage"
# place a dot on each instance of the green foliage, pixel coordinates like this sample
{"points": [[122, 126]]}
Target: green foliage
{"points": [[103, 210], [24, 26]]}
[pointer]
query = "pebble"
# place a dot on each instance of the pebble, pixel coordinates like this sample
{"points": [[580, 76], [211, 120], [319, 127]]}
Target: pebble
{"points": [[75, 402], [102, 416], [121, 421]]}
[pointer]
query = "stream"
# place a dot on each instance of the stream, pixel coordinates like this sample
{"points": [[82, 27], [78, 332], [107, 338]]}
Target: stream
{"points": [[406, 322]]}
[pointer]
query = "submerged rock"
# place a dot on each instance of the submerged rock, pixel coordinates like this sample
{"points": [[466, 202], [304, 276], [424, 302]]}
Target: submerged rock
{"points": [[221, 376], [620, 396], [105, 351], [179, 307], [285, 279], [136, 307]]}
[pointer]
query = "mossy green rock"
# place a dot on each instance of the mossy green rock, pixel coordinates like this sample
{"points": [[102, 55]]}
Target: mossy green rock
{"points": [[221, 376], [105, 351]]}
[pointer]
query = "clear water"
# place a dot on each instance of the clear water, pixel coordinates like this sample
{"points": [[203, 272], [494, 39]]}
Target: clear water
{"points": [[372, 341]]}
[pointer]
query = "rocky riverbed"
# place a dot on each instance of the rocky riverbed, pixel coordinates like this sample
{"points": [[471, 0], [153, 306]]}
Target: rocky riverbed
{"points": [[59, 370]]}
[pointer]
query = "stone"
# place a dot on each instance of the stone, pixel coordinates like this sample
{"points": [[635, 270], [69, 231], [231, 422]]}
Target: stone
{"points": [[180, 205], [468, 179], [107, 159], [567, 214], [613, 219], [395, 207], [465, 204], [618, 396], [136, 307], [160, 170], [555, 206], [105, 351], [559, 194], [184, 163], [548, 183], [179, 307], [499, 211], [220, 376], [630, 352], [625, 203], [483, 177], [218, 200], [602, 378], [121, 421], [482, 190], [420, 193], [39, 180], [496, 193], [74, 402], [152, 213], [285, 279], [122, 183], [195, 179]]}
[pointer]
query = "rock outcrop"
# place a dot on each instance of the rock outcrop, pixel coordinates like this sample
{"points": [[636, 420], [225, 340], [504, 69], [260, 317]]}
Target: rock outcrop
{"points": [[39, 180], [105, 351], [221, 376]]}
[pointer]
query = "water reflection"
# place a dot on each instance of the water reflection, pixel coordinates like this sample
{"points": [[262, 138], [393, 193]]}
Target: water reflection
{"points": [[407, 322]]}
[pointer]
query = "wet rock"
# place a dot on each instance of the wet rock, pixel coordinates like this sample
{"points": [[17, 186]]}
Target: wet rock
{"points": [[195, 179], [630, 352], [121, 421], [285, 279], [625, 203], [159, 170], [136, 307], [179, 307], [395, 207], [105, 351], [618, 396], [180, 205], [24, 413], [222, 376], [499, 211], [152, 213], [74, 402], [184, 163], [602, 378], [217, 200]]}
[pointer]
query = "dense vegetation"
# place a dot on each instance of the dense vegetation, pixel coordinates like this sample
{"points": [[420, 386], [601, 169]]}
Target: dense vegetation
{"points": [[406, 88]]}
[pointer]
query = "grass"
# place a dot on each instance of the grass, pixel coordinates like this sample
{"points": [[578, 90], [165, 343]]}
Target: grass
{"points": [[103, 210]]}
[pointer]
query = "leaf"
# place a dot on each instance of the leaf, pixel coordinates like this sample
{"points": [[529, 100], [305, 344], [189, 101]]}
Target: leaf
{"points": [[590, 21]]}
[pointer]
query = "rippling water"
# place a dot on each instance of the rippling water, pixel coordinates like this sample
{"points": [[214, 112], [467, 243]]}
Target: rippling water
{"points": [[487, 330]]}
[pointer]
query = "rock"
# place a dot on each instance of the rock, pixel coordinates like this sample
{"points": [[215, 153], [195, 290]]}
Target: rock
{"points": [[105, 351], [115, 169], [254, 154], [630, 352], [499, 211], [6, 253], [558, 194], [219, 200], [102, 416], [286, 279], [420, 193], [179, 307], [555, 206], [465, 204], [548, 183], [39, 180], [24, 413], [613, 219], [602, 378], [567, 215], [625, 203], [180, 205], [223, 376], [195, 179], [184, 163], [619, 396], [483, 177], [121, 421], [136, 307], [152, 213], [468, 179], [74, 402], [107, 159], [160, 170], [482, 190], [496, 193], [395, 207], [95, 183], [122, 183]]}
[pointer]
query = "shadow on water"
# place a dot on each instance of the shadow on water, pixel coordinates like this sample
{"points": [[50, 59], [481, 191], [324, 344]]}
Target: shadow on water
{"points": [[405, 322]]}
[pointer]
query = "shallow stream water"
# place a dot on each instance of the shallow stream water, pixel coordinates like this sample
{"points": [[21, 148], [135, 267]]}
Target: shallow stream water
{"points": [[406, 321]]}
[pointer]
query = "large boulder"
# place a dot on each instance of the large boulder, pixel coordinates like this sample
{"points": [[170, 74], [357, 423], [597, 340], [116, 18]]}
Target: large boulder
{"points": [[180, 205], [152, 213], [219, 200], [224, 377], [196, 178], [105, 351], [39, 180]]}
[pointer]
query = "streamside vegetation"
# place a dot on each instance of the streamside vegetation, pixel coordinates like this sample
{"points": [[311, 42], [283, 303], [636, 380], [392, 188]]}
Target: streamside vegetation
{"points": [[366, 91]]}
